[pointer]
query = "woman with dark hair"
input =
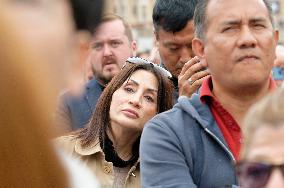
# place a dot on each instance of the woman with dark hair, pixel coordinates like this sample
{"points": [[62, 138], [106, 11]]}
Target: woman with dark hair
{"points": [[110, 144]]}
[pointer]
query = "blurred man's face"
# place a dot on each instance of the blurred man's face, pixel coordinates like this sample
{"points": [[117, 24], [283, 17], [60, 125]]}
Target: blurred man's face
{"points": [[239, 44], [175, 48], [110, 48], [268, 150], [47, 28]]}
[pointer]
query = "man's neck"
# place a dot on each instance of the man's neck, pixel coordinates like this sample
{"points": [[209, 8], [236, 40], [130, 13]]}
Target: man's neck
{"points": [[238, 102], [101, 82]]}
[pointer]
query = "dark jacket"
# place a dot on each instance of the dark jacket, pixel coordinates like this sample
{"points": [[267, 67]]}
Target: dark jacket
{"points": [[75, 111], [184, 148]]}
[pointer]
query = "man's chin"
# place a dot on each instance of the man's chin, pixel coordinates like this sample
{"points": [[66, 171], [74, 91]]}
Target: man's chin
{"points": [[108, 76]]}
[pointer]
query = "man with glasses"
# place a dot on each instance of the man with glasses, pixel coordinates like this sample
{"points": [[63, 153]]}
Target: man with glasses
{"points": [[196, 143], [111, 44]]}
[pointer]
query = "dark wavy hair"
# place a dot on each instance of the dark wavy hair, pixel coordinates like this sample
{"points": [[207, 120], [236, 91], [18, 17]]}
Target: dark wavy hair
{"points": [[100, 120]]}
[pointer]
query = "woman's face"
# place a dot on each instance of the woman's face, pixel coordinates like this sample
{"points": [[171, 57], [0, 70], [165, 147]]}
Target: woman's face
{"points": [[135, 102]]}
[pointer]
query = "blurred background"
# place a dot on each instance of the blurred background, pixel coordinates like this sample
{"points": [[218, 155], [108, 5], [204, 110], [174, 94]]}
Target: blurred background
{"points": [[139, 14]]}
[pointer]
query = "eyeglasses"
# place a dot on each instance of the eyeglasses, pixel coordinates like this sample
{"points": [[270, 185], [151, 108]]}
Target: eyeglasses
{"points": [[138, 60], [255, 174]]}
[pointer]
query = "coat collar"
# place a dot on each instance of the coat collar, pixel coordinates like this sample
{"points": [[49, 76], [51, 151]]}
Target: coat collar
{"points": [[92, 149]]}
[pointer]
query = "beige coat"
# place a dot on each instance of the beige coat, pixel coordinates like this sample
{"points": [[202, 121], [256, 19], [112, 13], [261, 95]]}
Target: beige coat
{"points": [[94, 158]]}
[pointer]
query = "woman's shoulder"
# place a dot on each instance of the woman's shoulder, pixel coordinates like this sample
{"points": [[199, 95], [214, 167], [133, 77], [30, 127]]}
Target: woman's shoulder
{"points": [[67, 143]]}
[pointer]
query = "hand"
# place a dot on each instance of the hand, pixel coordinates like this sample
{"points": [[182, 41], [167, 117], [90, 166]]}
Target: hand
{"points": [[192, 76]]}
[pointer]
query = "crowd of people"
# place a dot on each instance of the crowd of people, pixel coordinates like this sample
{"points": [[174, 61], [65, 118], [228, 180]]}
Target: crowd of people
{"points": [[79, 109]]}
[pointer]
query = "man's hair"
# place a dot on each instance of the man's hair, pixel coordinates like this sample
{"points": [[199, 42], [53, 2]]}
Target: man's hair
{"points": [[173, 15], [201, 20], [112, 17], [268, 112], [87, 13]]}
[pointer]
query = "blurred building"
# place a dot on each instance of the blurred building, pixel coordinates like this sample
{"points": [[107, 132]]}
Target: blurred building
{"points": [[278, 12], [139, 14]]}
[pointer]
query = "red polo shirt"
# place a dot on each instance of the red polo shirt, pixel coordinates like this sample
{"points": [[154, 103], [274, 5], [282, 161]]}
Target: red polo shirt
{"points": [[227, 124]]}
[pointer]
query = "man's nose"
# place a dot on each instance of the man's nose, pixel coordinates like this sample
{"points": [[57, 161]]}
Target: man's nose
{"points": [[246, 38], [107, 51], [186, 54]]}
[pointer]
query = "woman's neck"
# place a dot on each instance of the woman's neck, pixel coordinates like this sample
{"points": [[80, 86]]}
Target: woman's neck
{"points": [[123, 142]]}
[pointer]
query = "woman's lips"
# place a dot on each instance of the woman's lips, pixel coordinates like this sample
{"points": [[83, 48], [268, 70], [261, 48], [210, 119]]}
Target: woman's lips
{"points": [[130, 113]]}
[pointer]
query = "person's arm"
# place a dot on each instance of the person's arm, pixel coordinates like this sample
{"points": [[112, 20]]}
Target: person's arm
{"points": [[191, 77], [163, 162]]}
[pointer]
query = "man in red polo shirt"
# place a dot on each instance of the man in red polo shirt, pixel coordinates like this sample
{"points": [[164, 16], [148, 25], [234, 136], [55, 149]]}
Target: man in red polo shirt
{"points": [[197, 142]]}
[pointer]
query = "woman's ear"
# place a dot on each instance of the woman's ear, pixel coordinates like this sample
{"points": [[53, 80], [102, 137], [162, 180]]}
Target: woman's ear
{"points": [[198, 47]]}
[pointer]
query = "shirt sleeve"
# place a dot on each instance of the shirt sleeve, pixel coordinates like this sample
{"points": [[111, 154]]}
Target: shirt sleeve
{"points": [[163, 163]]}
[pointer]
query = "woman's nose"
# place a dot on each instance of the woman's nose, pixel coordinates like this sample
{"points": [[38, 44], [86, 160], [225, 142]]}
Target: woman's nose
{"points": [[136, 100]]}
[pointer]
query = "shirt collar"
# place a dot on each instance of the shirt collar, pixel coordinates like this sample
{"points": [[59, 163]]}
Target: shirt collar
{"points": [[206, 88]]}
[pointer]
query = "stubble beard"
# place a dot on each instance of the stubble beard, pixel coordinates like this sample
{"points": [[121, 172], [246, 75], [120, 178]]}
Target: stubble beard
{"points": [[105, 77]]}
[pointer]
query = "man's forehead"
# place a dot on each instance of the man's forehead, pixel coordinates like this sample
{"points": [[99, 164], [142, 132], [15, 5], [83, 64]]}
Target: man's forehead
{"points": [[184, 36], [170, 43], [108, 39], [113, 26], [111, 29], [238, 8]]}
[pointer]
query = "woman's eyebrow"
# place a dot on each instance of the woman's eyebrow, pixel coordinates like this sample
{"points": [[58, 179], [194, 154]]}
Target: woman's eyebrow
{"points": [[148, 89]]}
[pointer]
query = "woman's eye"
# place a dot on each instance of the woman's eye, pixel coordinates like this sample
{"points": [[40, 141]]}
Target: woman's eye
{"points": [[128, 89], [149, 99]]}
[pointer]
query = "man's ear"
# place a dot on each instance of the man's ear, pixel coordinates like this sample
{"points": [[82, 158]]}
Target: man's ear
{"points": [[133, 46], [198, 47], [156, 35], [276, 36], [76, 78]]}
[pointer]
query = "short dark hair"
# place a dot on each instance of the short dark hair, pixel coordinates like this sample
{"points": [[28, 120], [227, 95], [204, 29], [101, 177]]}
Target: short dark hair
{"points": [[87, 13], [100, 121], [201, 21], [172, 15]]}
